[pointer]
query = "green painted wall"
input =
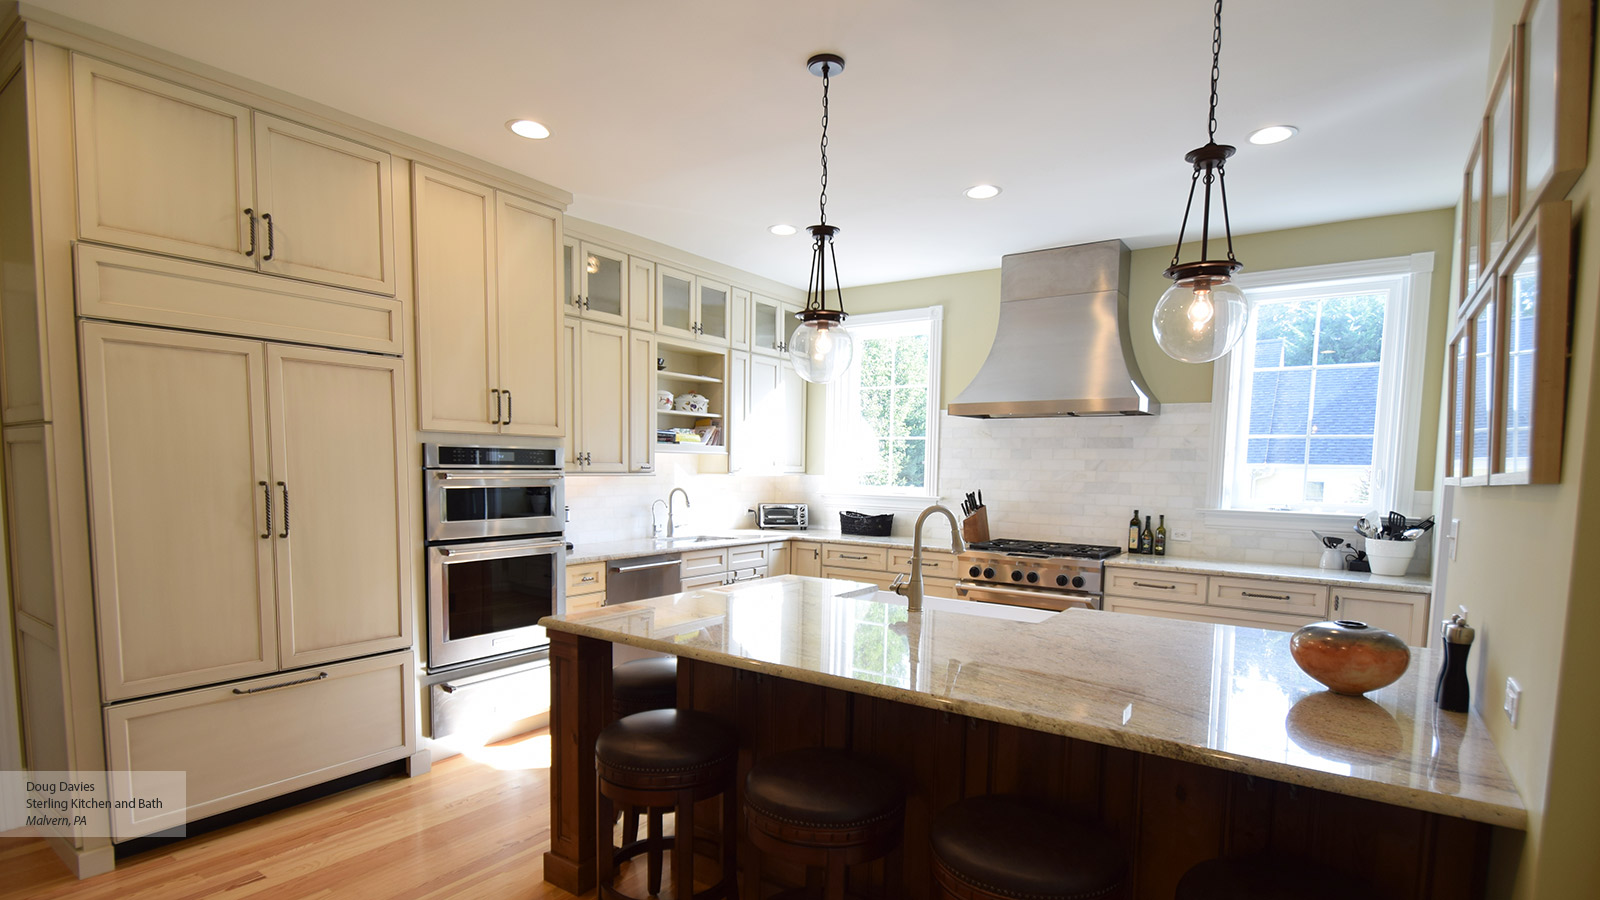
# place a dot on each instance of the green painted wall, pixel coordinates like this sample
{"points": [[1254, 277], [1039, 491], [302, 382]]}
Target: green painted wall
{"points": [[972, 307]]}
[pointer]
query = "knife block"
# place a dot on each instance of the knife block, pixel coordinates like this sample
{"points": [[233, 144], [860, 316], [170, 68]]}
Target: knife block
{"points": [[976, 526]]}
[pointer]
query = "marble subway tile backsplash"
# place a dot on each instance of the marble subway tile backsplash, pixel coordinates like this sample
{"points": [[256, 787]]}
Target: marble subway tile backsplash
{"points": [[617, 507]]}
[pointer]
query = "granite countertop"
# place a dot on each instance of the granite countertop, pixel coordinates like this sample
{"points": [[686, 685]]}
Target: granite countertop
{"points": [[1217, 695], [1419, 584], [586, 552]]}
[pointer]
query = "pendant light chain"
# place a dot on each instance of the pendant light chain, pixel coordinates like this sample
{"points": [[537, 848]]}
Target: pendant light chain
{"points": [[1216, 69], [822, 200], [1209, 167]]}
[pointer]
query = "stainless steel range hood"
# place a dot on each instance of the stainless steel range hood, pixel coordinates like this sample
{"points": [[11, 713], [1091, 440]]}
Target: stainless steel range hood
{"points": [[1063, 346]]}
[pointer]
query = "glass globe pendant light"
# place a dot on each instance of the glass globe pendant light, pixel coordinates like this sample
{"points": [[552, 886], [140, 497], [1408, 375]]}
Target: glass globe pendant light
{"points": [[1204, 313], [820, 347]]}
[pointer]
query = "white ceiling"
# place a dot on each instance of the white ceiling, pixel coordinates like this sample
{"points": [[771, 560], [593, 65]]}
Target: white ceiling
{"points": [[695, 123]]}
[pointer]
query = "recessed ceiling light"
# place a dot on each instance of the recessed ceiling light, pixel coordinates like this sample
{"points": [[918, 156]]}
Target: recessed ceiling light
{"points": [[529, 129], [1273, 134], [982, 191], [782, 230]]}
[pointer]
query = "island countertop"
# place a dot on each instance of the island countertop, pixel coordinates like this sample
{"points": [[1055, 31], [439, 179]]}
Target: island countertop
{"points": [[1218, 695]]}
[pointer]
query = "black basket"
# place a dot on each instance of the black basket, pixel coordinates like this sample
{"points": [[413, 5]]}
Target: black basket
{"points": [[864, 525]]}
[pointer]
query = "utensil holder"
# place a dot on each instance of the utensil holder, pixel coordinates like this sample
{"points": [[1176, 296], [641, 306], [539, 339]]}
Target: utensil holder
{"points": [[976, 526], [1390, 557]]}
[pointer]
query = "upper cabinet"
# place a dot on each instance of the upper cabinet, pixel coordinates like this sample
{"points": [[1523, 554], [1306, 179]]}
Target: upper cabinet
{"points": [[771, 324], [488, 313], [165, 168], [691, 307], [597, 282]]}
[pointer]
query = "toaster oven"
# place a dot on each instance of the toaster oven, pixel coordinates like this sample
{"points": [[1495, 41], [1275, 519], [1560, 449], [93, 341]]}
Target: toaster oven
{"points": [[781, 515]]}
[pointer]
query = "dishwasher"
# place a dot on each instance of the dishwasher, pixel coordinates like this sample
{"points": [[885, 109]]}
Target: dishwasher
{"points": [[640, 578]]}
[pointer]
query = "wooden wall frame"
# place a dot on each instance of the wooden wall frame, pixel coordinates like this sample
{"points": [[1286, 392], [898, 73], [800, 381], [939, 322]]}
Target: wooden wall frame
{"points": [[1472, 220], [1502, 157], [1540, 256], [1554, 39]]}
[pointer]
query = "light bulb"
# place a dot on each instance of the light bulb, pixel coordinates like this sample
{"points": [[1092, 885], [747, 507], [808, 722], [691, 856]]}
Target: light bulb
{"points": [[822, 346], [1200, 319]]}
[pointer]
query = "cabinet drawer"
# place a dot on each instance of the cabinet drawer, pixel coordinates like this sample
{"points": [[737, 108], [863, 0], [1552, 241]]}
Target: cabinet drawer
{"points": [[1177, 586], [1402, 612], [586, 578], [748, 555], [934, 565], [715, 579], [239, 747], [1268, 596], [862, 575], [1211, 614], [703, 562], [581, 602], [850, 556]]}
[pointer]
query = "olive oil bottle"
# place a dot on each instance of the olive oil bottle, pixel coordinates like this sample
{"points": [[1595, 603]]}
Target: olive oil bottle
{"points": [[1147, 538], [1133, 533], [1161, 537]]}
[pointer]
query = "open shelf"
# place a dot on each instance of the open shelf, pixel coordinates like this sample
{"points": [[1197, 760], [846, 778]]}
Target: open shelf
{"points": [[685, 376], [702, 449], [692, 415]]}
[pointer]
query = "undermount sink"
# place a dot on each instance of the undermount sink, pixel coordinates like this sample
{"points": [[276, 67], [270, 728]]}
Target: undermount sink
{"points": [[693, 539]]}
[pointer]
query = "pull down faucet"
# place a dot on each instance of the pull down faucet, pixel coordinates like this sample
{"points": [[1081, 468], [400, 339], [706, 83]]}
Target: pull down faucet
{"points": [[911, 588], [671, 526]]}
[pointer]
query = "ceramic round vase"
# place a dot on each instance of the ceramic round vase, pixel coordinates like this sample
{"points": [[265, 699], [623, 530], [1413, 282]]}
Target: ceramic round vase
{"points": [[663, 399], [1350, 657]]}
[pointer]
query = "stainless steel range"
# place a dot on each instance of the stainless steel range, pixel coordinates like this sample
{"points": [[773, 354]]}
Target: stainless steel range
{"points": [[1038, 574]]}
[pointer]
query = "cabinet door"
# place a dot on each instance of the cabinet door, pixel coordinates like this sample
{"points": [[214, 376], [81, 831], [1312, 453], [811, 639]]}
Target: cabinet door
{"points": [[571, 407], [571, 278], [603, 392], [457, 335], [742, 439], [739, 319], [641, 401], [805, 558], [531, 380], [765, 325], [343, 488], [326, 205], [1400, 612], [176, 429], [675, 302], [787, 323], [160, 167], [605, 283], [715, 311], [792, 450], [764, 414], [641, 293]]}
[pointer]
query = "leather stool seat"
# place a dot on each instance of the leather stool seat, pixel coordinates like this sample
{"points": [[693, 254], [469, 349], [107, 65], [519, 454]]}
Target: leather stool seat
{"points": [[820, 788], [663, 747], [1266, 878], [644, 684], [1006, 846], [824, 809]]}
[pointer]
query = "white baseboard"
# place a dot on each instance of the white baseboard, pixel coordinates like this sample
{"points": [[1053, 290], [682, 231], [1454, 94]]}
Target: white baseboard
{"points": [[87, 862]]}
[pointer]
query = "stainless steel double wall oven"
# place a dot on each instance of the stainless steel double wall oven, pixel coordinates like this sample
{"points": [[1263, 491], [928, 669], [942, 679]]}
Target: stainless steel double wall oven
{"points": [[494, 520]]}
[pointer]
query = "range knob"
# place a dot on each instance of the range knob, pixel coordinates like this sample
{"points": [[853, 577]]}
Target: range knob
{"points": [[1033, 577], [975, 571], [988, 573], [1062, 580], [1016, 575], [1077, 581]]}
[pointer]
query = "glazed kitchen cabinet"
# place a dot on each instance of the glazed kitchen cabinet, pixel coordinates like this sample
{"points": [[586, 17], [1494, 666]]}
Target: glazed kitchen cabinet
{"points": [[641, 401], [771, 324], [597, 282], [165, 168], [767, 406], [597, 357], [273, 535], [488, 320], [691, 307]]}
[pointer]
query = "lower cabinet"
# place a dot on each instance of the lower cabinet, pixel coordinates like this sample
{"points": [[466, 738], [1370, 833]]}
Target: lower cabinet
{"points": [[1404, 614], [586, 586], [252, 740], [805, 558], [881, 566]]}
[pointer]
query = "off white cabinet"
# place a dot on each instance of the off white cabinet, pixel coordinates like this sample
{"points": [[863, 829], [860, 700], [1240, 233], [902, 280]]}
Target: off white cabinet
{"points": [[767, 405], [597, 282], [641, 293], [488, 321], [597, 354], [165, 168], [771, 324], [805, 558], [1405, 614], [586, 586], [250, 506], [641, 401], [691, 307]]}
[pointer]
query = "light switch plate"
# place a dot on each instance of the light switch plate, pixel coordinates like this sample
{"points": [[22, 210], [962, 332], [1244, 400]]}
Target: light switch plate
{"points": [[1513, 700], [1454, 537], [1182, 534]]}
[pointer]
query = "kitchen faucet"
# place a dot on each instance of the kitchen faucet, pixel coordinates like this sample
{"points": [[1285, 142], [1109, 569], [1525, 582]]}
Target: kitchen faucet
{"points": [[671, 527], [655, 529], [911, 588]]}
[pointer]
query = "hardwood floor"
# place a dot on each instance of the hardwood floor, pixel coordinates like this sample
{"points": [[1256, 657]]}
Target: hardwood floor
{"points": [[473, 827]]}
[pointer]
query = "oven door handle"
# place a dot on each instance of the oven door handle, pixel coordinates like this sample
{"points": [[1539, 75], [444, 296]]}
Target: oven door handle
{"points": [[499, 476], [499, 549], [1051, 600]]}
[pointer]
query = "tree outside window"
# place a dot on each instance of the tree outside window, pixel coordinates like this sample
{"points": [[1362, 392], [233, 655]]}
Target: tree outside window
{"points": [[882, 417]]}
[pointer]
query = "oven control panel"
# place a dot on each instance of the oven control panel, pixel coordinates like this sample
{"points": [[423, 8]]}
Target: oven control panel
{"points": [[1052, 573]]}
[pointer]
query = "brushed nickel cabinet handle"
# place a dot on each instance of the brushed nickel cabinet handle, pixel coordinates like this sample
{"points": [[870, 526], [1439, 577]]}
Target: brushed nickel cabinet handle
{"points": [[266, 502], [251, 214], [1159, 587], [1265, 596], [285, 489], [282, 684]]}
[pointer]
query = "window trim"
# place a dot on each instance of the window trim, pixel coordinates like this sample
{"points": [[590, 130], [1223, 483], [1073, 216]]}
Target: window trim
{"points": [[934, 316], [1404, 420]]}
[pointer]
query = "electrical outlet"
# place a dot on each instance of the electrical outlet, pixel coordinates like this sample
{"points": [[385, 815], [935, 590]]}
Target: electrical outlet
{"points": [[1454, 537], [1182, 534], [1513, 700]]}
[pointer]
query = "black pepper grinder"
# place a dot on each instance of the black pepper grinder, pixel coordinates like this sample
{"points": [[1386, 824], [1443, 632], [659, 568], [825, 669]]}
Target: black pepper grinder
{"points": [[1453, 693]]}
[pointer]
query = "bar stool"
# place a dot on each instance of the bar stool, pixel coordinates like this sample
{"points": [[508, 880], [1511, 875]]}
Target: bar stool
{"points": [[1267, 878], [638, 686], [660, 759], [1001, 846], [824, 809]]}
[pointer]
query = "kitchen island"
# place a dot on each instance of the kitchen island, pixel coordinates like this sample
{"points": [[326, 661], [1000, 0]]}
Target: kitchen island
{"points": [[1185, 740]]}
